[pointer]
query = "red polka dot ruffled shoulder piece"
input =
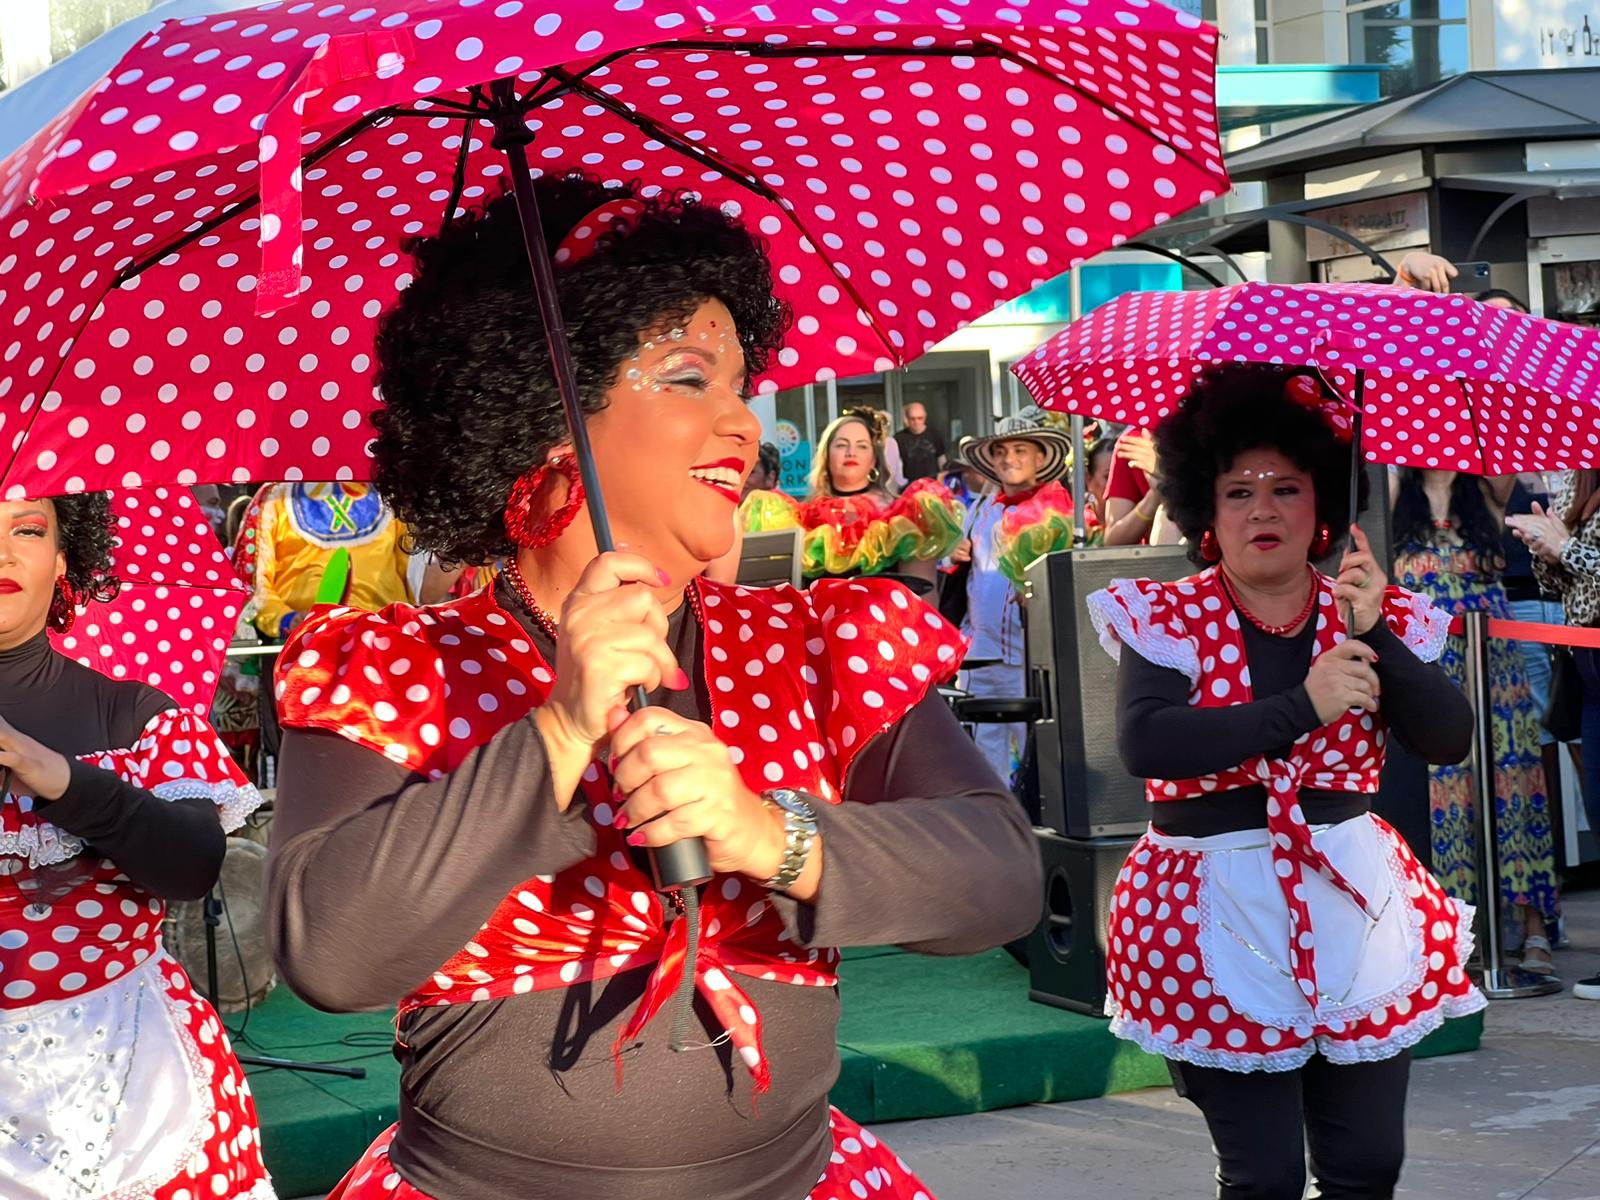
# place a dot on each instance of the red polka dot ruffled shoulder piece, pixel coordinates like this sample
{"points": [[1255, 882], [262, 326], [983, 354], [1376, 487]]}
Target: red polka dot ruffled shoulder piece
{"points": [[1213, 954], [799, 683], [177, 755]]}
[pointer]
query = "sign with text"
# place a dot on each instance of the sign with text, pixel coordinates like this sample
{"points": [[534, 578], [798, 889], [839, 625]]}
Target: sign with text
{"points": [[794, 457], [1385, 224]]}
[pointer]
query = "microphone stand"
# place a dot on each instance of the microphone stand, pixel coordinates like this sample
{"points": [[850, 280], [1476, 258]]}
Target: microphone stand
{"points": [[212, 911]]}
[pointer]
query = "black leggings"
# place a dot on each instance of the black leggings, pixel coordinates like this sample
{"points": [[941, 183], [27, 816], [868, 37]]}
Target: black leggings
{"points": [[1352, 1118]]}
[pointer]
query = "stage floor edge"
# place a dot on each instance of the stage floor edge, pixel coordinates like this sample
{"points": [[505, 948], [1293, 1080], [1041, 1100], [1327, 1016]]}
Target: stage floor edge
{"points": [[920, 1037]]}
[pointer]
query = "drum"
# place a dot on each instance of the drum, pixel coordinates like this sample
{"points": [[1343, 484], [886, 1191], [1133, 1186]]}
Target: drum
{"points": [[257, 826], [244, 962]]}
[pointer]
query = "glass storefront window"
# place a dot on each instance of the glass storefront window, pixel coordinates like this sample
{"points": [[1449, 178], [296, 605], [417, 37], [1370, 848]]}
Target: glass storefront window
{"points": [[953, 386], [1421, 41]]}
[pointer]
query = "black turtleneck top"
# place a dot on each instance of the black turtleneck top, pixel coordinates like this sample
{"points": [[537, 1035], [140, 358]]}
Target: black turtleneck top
{"points": [[171, 848]]}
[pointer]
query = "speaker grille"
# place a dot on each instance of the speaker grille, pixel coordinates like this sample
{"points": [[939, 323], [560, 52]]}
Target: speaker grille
{"points": [[1067, 952], [1085, 789]]}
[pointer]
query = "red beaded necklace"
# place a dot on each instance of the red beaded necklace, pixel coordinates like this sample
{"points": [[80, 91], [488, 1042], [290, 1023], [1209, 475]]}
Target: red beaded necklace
{"points": [[1273, 630], [544, 620], [519, 585]]}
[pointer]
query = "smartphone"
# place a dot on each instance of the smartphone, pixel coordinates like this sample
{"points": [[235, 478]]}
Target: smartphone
{"points": [[1471, 277]]}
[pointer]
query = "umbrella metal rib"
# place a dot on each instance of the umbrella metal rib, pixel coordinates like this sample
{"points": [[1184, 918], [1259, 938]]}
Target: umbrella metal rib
{"points": [[748, 181]]}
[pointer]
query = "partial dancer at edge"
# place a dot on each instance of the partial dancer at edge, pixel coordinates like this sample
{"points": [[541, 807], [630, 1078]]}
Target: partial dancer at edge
{"points": [[464, 802], [118, 1079], [1271, 937]]}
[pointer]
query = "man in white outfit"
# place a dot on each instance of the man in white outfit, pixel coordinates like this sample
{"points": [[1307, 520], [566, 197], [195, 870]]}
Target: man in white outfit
{"points": [[1021, 457]]}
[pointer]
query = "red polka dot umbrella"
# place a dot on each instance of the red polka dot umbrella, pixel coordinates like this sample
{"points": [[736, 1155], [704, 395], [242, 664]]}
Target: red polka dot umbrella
{"points": [[1443, 381], [193, 255], [180, 601]]}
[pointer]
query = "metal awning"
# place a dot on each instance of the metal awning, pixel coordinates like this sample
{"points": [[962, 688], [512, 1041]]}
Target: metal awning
{"points": [[1558, 185], [1485, 106], [1228, 233], [1519, 187]]}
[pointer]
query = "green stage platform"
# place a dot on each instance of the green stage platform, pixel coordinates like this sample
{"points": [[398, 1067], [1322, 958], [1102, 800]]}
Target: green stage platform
{"points": [[920, 1037]]}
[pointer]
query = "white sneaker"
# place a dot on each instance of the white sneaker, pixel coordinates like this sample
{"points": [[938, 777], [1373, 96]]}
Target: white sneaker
{"points": [[1587, 989]]}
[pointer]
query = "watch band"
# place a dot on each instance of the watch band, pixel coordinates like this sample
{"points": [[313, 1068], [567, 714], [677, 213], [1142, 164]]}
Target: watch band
{"points": [[799, 834]]}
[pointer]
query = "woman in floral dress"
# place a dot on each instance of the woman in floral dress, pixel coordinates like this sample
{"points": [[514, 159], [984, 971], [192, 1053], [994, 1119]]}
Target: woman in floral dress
{"points": [[1447, 547]]}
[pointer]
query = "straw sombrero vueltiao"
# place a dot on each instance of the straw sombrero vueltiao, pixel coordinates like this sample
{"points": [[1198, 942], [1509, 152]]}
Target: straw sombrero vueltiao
{"points": [[1027, 425]]}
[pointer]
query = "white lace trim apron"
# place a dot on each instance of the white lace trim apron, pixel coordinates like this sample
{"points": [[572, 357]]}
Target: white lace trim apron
{"points": [[103, 1095]]}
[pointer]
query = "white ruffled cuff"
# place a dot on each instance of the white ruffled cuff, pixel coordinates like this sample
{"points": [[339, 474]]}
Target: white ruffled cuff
{"points": [[1427, 627], [1123, 616], [234, 802]]}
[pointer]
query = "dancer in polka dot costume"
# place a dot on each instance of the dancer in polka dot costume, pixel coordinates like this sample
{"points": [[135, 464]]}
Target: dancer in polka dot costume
{"points": [[119, 1079], [477, 761], [1269, 935]]}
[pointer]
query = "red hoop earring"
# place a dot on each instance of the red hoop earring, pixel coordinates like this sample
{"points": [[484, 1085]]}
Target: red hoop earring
{"points": [[63, 607], [521, 526], [1322, 543], [1209, 550]]}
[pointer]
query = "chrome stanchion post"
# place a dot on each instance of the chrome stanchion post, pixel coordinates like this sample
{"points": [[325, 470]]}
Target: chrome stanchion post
{"points": [[1498, 984], [1080, 485]]}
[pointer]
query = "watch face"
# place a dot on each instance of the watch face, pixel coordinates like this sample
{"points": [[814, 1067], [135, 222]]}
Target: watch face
{"points": [[792, 801]]}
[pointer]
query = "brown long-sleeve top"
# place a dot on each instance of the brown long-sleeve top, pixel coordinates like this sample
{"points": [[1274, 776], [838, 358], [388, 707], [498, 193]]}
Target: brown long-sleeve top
{"points": [[516, 1099]]}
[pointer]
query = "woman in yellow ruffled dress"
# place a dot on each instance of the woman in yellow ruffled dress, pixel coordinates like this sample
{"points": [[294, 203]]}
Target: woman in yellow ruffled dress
{"points": [[853, 524]]}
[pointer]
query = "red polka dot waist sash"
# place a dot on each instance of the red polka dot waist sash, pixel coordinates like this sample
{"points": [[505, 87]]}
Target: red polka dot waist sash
{"points": [[1191, 626], [1293, 852], [799, 683]]}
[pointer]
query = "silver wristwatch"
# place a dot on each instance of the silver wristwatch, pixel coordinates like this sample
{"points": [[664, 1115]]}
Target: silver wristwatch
{"points": [[799, 832]]}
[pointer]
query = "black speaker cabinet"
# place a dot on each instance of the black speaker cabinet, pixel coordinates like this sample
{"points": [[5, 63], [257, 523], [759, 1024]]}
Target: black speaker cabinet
{"points": [[1084, 789], [1067, 952]]}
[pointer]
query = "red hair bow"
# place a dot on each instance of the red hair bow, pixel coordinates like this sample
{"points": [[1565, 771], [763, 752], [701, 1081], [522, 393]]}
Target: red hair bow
{"points": [[1307, 391]]}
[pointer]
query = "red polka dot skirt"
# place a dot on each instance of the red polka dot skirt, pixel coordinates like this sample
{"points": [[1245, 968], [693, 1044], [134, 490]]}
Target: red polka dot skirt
{"points": [[859, 1166]]}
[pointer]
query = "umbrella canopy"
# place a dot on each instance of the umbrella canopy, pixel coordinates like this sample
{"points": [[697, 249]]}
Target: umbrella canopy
{"points": [[1444, 381], [180, 601], [194, 255]]}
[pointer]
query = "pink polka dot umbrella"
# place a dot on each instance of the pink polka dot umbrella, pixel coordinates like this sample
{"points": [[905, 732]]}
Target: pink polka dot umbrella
{"points": [[192, 256], [171, 623], [221, 221], [1441, 381]]}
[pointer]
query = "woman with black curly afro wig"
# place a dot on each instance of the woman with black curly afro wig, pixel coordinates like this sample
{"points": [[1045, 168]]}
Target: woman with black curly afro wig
{"points": [[465, 802], [1289, 949], [113, 800]]}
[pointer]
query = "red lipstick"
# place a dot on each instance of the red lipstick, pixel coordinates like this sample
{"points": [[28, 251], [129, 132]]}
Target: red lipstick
{"points": [[723, 476]]}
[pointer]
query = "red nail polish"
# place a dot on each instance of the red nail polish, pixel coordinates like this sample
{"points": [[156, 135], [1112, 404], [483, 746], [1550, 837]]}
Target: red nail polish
{"points": [[636, 839], [663, 577], [679, 680], [621, 821]]}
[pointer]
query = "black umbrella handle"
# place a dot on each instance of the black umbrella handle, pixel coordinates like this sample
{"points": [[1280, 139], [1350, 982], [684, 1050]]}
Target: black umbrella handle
{"points": [[1357, 465], [684, 863]]}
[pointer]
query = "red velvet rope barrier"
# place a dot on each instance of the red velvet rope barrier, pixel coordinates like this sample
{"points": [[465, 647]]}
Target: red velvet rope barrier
{"points": [[1529, 631]]}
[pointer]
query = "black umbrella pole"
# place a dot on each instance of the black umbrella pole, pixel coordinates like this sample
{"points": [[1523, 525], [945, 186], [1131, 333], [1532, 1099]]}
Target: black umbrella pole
{"points": [[684, 863], [1357, 465]]}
